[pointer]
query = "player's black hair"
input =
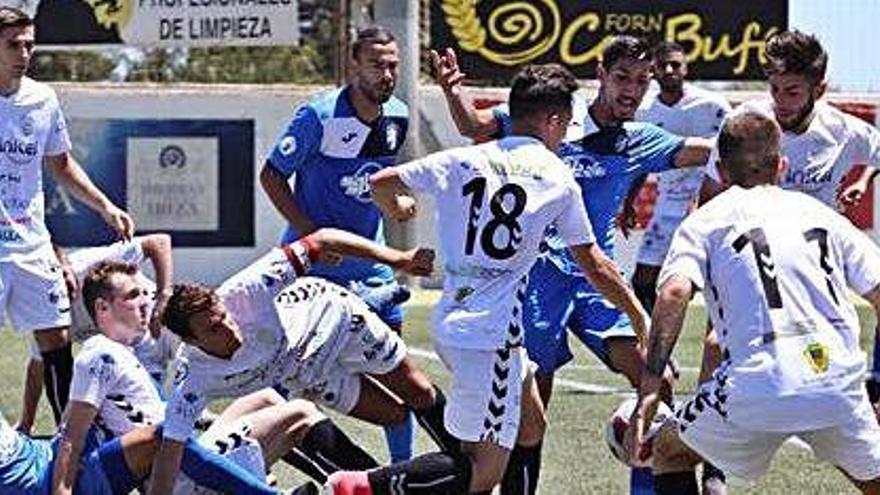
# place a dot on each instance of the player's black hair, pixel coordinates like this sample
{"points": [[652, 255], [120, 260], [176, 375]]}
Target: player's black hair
{"points": [[625, 47], [371, 35], [98, 282], [539, 88], [749, 149], [795, 52], [12, 17], [666, 47]]}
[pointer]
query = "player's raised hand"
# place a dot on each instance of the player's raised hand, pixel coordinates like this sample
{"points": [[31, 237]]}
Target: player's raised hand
{"points": [[418, 262], [120, 221], [852, 194], [447, 73], [161, 303]]}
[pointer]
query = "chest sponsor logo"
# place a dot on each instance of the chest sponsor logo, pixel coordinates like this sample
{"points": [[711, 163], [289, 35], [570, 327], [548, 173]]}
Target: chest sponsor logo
{"points": [[18, 150], [585, 166], [357, 185]]}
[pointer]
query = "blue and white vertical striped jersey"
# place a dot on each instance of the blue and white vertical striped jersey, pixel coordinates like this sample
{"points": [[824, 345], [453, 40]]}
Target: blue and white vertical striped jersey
{"points": [[331, 154]]}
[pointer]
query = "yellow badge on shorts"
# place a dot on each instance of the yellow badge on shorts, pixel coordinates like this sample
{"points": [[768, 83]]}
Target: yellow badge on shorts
{"points": [[817, 356]]}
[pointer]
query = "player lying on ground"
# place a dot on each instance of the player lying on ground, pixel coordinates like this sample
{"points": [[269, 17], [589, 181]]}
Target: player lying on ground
{"points": [[322, 343], [776, 290], [113, 394]]}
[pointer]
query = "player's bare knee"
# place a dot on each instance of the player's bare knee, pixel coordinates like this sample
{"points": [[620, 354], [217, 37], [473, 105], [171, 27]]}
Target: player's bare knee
{"points": [[625, 358]]}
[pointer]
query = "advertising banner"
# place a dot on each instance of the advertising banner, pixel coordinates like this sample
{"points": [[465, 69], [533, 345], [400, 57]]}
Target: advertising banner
{"points": [[191, 178], [168, 22], [724, 40]]}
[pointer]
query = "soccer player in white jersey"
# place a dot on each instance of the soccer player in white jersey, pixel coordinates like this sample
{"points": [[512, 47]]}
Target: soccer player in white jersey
{"points": [[154, 349], [494, 202], [776, 289], [113, 393], [321, 343], [685, 110], [822, 144], [33, 134]]}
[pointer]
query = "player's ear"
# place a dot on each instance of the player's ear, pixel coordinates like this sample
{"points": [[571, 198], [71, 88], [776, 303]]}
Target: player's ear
{"points": [[819, 89], [781, 167], [721, 166]]}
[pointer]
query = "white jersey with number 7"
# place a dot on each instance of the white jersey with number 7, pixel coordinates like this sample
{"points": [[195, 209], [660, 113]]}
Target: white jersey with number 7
{"points": [[775, 266], [493, 203]]}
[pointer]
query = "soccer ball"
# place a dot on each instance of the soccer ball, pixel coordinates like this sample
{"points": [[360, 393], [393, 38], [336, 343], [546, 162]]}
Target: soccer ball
{"points": [[619, 422]]}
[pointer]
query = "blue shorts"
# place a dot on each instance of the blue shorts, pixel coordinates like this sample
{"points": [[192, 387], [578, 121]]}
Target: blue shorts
{"points": [[556, 301], [91, 479]]}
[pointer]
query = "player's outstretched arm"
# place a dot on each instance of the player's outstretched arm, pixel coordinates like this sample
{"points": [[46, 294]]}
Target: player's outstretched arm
{"points": [[166, 466], [666, 322], [280, 194], [694, 153], [71, 176], [157, 248], [470, 121], [419, 262], [605, 276], [73, 435]]}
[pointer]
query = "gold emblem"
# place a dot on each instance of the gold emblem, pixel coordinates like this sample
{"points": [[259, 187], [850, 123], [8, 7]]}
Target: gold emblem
{"points": [[817, 356]]}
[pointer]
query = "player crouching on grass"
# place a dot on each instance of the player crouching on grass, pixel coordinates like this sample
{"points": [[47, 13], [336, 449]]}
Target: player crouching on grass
{"points": [[321, 343], [776, 290]]}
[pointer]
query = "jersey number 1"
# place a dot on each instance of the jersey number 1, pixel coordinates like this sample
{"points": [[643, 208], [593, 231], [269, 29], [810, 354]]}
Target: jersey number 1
{"points": [[501, 218], [767, 269]]}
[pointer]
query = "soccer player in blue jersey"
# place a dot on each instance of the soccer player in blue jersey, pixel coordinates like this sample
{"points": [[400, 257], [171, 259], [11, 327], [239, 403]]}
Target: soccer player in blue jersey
{"points": [[606, 151], [330, 148]]}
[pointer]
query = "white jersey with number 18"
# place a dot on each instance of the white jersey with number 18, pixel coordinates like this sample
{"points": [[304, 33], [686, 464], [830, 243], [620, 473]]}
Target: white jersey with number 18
{"points": [[493, 203], [775, 266]]}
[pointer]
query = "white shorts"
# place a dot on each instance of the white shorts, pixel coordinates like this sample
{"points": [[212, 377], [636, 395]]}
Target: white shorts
{"points": [[358, 343], [484, 402], [33, 295], [657, 239], [853, 445]]}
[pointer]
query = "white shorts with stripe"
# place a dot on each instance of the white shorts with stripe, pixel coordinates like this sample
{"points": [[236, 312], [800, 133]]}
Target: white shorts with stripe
{"points": [[486, 393], [853, 444]]}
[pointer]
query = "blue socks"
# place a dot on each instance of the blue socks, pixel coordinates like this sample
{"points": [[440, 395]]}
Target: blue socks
{"points": [[401, 438], [641, 481]]}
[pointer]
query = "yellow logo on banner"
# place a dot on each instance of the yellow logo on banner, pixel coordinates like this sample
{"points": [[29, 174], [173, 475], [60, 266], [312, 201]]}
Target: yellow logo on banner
{"points": [[509, 24], [112, 13], [817, 356], [537, 26]]}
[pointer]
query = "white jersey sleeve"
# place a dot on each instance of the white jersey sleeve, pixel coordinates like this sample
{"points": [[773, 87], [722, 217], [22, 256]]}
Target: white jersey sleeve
{"points": [[430, 174], [687, 255], [58, 140], [82, 260], [192, 392], [860, 257], [868, 148], [265, 278], [95, 374], [574, 224]]}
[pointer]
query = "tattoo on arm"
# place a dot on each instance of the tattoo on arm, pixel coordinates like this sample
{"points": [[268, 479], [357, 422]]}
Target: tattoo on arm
{"points": [[666, 323]]}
